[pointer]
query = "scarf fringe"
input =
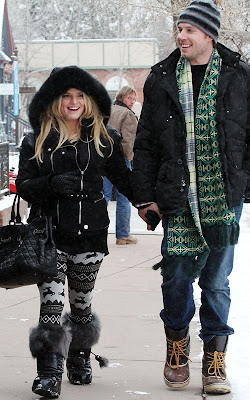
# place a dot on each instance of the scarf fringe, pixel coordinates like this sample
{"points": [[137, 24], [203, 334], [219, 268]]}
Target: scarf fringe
{"points": [[193, 264], [222, 236], [217, 238]]}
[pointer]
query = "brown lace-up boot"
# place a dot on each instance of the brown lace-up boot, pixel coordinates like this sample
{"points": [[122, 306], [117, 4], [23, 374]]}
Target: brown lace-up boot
{"points": [[214, 377], [176, 370]]}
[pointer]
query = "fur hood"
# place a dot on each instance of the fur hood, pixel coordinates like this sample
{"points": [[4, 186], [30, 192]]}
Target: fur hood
{"points": [[59, 81]]}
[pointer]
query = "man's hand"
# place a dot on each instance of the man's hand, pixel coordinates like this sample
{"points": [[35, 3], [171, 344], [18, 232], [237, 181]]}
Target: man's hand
{"points": [[142, 213]]}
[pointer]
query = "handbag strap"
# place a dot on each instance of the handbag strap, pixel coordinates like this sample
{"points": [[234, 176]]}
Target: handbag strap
{"points": [[15, 218]]}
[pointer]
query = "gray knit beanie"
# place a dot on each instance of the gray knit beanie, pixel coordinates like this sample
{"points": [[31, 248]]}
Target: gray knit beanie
{"points": [[204, 15]]}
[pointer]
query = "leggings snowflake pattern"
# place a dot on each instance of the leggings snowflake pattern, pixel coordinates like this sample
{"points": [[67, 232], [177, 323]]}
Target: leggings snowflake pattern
{"points": [[81, 271]]}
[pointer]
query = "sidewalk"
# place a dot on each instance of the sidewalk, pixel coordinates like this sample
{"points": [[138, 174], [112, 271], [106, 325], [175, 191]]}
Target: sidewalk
{"points": [[128, 300]]}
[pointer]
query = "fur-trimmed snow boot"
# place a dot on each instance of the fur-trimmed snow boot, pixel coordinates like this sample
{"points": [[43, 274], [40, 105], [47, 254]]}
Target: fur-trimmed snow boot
{"points": [[84, 336], [49, 345], [214, 377]]}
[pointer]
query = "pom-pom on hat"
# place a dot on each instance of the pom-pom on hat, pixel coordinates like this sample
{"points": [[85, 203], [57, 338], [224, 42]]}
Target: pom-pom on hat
{"points": [[204, 15]]}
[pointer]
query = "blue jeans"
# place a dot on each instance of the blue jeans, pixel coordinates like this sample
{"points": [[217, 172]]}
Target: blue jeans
{"points": [[123, 208], [177, 291]]}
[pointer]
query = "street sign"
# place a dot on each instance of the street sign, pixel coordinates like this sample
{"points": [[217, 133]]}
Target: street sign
{"points": [[27, 89]]}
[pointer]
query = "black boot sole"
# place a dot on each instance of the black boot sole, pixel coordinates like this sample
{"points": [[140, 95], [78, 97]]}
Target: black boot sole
{"points": [[78, 379], [46, 393], [46, 389]]}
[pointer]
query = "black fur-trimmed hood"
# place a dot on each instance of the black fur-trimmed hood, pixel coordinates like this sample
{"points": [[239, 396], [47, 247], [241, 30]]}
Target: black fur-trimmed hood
{"points": [[59, 81]]}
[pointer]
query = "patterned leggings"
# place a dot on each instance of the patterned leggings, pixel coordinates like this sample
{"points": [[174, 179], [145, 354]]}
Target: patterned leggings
{"points": [[81, 271]]}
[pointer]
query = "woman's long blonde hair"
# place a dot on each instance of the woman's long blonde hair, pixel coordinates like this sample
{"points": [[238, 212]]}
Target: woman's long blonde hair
{"points": [[53, 118]]}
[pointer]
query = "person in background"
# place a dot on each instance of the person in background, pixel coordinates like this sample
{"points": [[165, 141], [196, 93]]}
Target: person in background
{"points": [[123, 119], [61, 169], [192, 168]]}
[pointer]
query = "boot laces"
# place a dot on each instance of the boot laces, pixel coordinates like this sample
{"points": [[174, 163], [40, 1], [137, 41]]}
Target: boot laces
{"points": [[216, 364], [177, 349]]}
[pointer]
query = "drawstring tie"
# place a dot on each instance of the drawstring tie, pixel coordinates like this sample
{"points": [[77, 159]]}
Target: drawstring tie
{"points": [[103, 362]]}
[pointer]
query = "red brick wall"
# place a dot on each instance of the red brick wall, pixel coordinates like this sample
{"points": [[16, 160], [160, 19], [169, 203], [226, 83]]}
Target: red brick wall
{"points": [[135, 77]]}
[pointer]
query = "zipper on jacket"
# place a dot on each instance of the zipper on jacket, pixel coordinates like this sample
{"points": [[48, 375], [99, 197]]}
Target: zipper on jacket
{"points": [[80, 204], [82, 175], [80, 217], [52, 166]]}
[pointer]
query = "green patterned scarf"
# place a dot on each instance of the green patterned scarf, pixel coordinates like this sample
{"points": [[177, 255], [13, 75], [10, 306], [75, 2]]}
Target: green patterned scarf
{"points": [[207, 222]]}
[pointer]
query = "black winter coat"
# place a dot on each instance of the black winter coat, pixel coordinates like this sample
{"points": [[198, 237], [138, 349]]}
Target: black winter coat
{"points": [[81, 220], [87, 211], [160, 171]]}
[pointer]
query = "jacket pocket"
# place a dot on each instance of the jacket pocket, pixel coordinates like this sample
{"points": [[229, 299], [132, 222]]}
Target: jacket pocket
{"points": [[94, 214], [74, 216], [172, 187]]}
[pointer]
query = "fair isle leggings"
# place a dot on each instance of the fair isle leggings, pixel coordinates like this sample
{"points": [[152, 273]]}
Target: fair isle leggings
{"points": [[81, 271]]}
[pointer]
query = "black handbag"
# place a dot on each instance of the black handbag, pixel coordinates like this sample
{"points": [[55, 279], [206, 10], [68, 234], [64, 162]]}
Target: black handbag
{"points": [[27, 251]]}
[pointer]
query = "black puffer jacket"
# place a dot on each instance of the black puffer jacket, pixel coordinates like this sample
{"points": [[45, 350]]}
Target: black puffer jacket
{"points": [[160, 171], [84, 213]]}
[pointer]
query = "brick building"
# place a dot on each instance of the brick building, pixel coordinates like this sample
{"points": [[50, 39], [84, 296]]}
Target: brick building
{"points": [[115, 62]]}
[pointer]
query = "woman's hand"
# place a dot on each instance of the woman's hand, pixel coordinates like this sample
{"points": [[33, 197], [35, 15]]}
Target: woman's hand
{"points": [[65, 184]]}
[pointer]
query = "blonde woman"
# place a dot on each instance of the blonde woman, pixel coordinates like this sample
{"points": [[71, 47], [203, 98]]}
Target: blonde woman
{"points": [[62, 164]]}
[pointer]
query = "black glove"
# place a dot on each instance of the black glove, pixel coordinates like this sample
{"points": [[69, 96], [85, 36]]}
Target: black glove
{"points": [[153, 219], [65, 184]]}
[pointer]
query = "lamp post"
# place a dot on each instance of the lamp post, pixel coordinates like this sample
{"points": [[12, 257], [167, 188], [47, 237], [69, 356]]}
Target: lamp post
{"points": [[14, 59]]}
